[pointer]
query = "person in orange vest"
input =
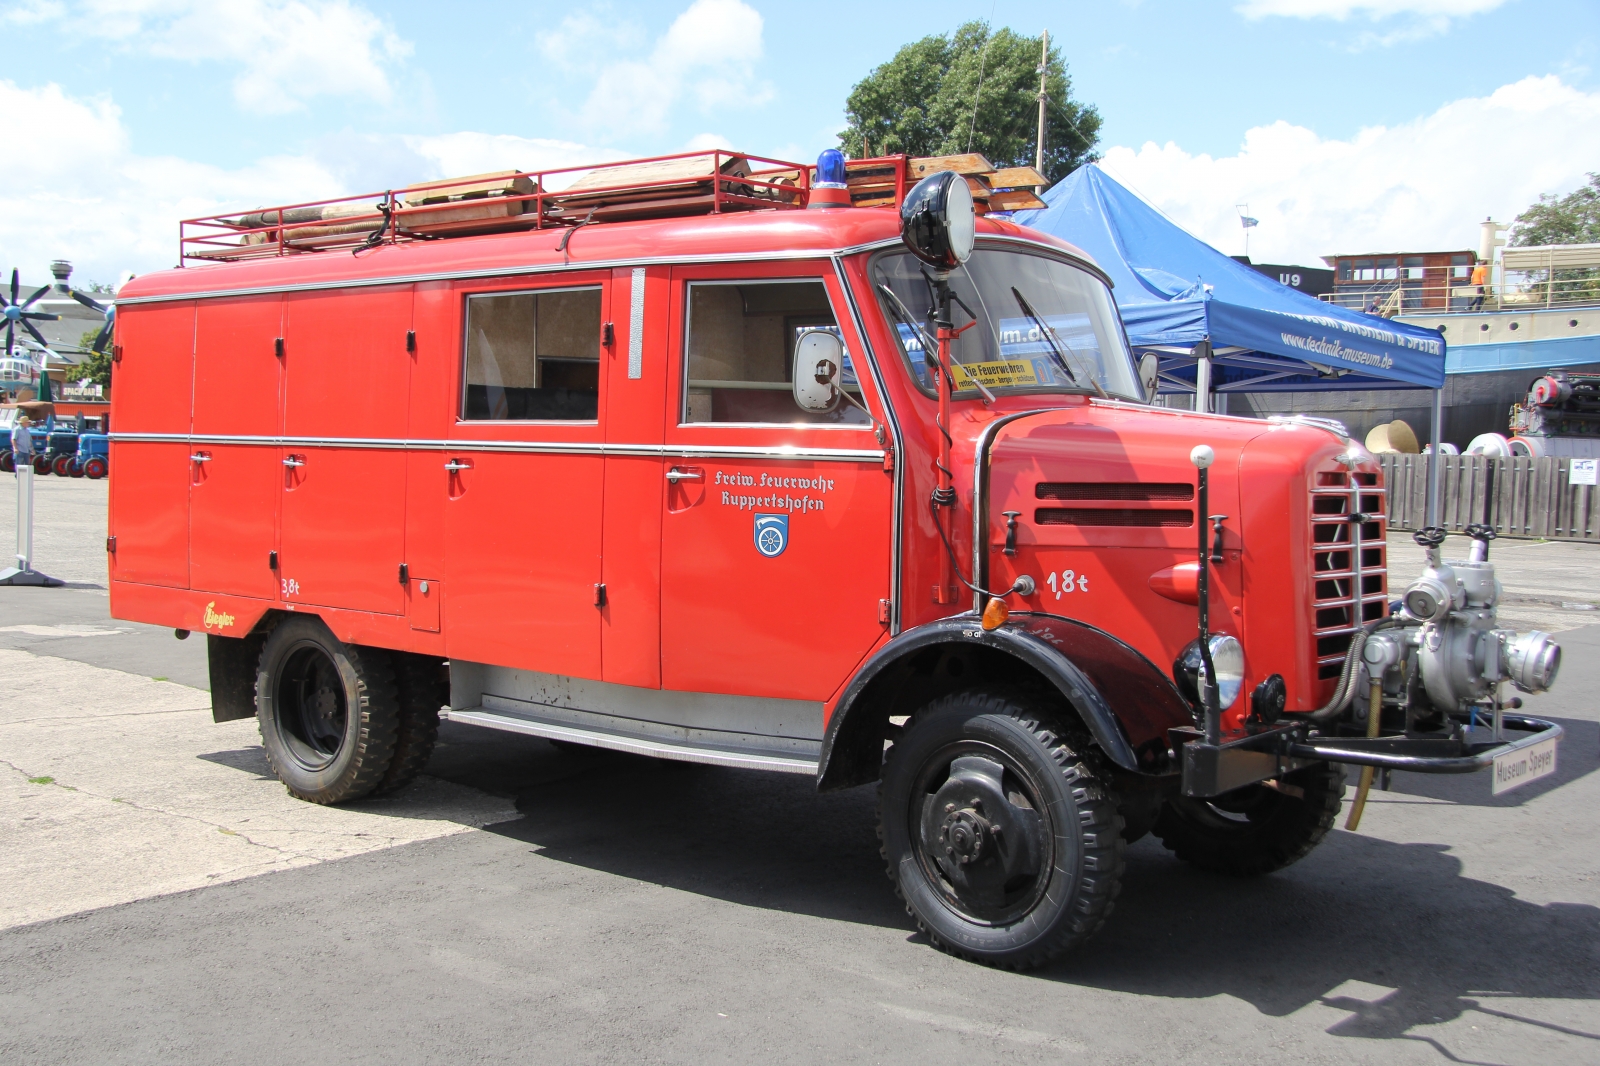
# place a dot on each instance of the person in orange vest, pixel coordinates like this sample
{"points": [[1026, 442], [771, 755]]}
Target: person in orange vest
{"points": [[1480, 278]]}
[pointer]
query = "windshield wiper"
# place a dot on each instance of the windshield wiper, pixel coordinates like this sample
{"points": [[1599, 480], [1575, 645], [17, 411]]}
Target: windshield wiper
{"points": [[929, 345], [1051, 339]]}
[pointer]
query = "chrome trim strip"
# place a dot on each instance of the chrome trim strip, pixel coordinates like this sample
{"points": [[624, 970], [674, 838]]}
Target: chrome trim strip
{"points": [[896, 582], [980, 499], [708, 451], [514, 270], [548, 268], [746, 760]]}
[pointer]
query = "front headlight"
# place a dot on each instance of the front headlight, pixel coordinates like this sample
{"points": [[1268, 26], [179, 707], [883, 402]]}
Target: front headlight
{"points": [[1227, 654]]}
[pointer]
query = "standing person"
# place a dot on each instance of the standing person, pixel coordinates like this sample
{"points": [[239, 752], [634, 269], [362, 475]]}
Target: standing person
{"points": [[21, 442], [1480, 278]]}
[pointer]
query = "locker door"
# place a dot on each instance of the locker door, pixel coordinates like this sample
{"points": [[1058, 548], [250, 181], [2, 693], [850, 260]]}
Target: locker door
{"points": [[233, 499], [347, 379], [150, 395]]}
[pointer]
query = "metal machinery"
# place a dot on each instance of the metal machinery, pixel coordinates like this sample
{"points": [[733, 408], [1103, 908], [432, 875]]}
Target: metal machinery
{"points": [[1561, 417], [700, 458]]}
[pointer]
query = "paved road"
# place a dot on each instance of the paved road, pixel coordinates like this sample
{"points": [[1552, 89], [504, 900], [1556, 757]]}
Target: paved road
{"points": [[617, 909]]}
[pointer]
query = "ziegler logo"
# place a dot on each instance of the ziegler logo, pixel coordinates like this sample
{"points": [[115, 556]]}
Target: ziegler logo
{"points": [[212, 618]]}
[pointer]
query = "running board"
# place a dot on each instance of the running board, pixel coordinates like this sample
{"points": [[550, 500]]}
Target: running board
{"points": [[660, 749]]}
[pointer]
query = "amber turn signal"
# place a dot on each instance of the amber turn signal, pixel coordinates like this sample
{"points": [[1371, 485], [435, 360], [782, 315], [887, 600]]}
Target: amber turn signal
{"points": [[995, 614]]}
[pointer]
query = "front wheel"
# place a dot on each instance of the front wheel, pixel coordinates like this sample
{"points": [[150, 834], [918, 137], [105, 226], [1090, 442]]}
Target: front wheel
{"points": [[1256, 829], [1003, 841], [95, 468], [328, 711]]}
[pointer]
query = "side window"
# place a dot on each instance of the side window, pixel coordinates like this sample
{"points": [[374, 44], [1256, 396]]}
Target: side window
{"points": [[532, 356], [740, 343]]}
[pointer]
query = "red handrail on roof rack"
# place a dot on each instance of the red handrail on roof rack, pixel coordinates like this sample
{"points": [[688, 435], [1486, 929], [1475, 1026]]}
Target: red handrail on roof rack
{"points": [[653, 187]]}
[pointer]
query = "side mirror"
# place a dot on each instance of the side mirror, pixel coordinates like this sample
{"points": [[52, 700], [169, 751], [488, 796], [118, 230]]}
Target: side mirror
{"points": [[1149, 370], [818, 355]]}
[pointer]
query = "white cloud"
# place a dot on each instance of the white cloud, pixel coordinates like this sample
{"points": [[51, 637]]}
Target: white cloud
{"points": [[286, 51], [1418, 186], [87, 196], [710, 53], [32, 12], [1342, 9]]}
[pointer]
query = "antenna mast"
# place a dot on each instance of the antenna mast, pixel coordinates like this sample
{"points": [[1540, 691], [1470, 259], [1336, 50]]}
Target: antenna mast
{"points": [[1044, 69]]}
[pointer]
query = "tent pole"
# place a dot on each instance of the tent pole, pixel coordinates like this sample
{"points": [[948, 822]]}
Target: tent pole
{"points": [[1435, 467], [1202, 376]]}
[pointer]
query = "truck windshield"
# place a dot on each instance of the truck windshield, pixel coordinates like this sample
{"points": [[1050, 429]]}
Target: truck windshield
{"points": [[1041, 324]]}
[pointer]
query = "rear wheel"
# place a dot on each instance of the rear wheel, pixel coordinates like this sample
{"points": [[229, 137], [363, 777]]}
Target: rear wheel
{"points": [[74, 467], [41, 464], [59, 466], [1002, 840], [8, 462], [328, 711], [95, 468], [422, 690], [1256, 829]]}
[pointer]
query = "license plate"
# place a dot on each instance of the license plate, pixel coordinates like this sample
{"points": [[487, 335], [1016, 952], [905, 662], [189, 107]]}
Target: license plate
{"points": [[1516, 768]]}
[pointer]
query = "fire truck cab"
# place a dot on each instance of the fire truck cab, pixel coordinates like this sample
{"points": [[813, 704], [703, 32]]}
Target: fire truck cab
{"points": [[775, 481]]}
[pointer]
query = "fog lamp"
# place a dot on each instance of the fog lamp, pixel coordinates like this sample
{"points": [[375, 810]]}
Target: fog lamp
{"points": [[937, 220], [1227, 654]]}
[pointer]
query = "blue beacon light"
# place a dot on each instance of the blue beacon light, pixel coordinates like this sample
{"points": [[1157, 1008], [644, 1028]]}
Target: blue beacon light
{"points": [[829, 188]]}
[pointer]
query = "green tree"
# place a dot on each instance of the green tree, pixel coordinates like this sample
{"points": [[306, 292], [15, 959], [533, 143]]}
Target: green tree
{"points": [[97, 368], [922, 102], [1570, 219]]}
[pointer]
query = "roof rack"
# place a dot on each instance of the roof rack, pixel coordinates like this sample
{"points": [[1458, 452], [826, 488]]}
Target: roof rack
{"points": [[666, 186]]}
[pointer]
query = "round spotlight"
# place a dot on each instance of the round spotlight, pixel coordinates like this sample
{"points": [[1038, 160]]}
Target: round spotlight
{"points": [[1227, 654], [937, 220]]}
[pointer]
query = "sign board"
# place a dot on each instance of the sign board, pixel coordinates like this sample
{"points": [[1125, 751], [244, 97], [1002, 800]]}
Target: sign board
{"points": [[1582, 472], [1516, 768]]}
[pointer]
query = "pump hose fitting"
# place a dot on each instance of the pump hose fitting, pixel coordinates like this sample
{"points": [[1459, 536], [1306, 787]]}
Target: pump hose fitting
{"points": [[1346, 689]]}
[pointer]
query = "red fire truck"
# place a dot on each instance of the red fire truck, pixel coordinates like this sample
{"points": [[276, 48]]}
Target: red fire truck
{"points": [[700, 459]]}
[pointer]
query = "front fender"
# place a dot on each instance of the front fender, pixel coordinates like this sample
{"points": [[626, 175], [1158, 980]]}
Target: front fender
{"points": [[1125, 701]]}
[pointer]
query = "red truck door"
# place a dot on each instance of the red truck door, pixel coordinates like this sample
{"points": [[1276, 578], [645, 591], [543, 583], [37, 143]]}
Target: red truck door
{"points": [[342, 470], [775, 544], [234, 470], [524, 475], [150, 457]]}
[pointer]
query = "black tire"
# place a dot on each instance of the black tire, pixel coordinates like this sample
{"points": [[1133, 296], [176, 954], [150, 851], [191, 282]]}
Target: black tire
{"points": [[1256, 829], [328, 711], [422, 690], [8, 462], [1029, 833]]}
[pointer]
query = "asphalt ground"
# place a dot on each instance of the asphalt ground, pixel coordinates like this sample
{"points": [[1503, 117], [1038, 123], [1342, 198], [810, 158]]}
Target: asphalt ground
{"points": [[163, 900]]}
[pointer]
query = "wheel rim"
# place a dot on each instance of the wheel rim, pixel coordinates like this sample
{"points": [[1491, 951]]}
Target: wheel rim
{"points": [[981, 832], [312, 714]]}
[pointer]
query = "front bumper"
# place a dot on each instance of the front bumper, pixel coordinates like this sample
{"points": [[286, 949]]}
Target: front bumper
{"points": [[1246, 758]]}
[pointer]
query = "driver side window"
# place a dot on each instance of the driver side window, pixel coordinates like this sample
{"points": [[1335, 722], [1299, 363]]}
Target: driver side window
{"points": [[739, 345]]}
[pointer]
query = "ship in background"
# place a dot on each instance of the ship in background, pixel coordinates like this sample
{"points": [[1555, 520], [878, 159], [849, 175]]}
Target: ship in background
{"points": [[1540, 311]]}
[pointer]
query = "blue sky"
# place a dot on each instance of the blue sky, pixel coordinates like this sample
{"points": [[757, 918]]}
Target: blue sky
{"points": [[182, 105]]}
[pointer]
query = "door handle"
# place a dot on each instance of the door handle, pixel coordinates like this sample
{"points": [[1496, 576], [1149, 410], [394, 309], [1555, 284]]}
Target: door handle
{"points": [[199, 457], [294, 460], [455, 465], [676, 475]]}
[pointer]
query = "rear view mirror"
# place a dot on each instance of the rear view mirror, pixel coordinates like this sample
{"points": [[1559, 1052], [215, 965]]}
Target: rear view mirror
{"points": [[1149, 369], [818, 355]]}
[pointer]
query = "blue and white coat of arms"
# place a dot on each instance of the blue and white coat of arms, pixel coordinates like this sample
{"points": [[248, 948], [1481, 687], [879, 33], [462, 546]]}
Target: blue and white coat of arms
{"points": [[772, 534]]}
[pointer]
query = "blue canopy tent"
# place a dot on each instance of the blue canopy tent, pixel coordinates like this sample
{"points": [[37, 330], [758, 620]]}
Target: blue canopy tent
{"points": [[1218, 326]]}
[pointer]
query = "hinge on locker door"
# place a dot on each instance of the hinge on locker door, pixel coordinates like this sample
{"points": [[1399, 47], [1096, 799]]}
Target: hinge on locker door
{"points": [[884, 607], [600, 595], [272, 560], [405, 573], [888, 459], [411, 340], [111, 545]]}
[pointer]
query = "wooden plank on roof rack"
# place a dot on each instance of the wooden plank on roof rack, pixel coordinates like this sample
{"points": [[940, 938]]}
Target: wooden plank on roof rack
{"points": [[968, 164], [471, 187], [670, 173], [1015, 200], [1016, 178]]}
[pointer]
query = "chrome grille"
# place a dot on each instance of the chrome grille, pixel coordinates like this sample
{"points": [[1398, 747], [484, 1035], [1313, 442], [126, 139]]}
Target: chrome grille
{"points": [[1334, 612]]}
